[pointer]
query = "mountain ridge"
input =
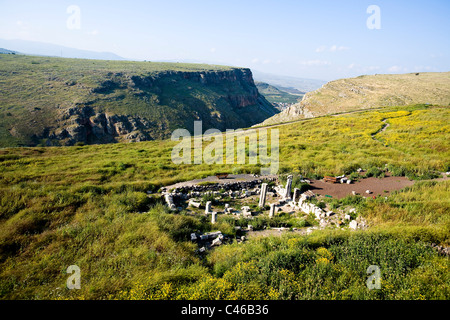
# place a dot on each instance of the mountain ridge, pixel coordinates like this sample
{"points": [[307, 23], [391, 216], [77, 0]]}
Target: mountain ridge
{"points": [[282, 81], [54, 50]]}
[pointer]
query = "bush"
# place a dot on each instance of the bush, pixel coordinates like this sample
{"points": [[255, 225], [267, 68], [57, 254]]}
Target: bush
{"points": [[290, 259], [238, 170], [397, 170], [374, 172], [321, 204], [208, 197], [354, 176]]}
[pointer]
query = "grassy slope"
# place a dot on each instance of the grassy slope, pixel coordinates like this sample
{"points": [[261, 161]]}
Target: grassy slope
{"points": [[34, 90], [82, 205], [365, 92]]}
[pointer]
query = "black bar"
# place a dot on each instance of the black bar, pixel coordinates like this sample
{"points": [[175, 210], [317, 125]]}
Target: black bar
{"points": [[222, 309]]}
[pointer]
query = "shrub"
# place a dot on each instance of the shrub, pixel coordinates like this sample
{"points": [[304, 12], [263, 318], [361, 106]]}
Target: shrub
{"points": [[208, 197], [354, 176], [321, 204], [397, 170], [374, 172]]}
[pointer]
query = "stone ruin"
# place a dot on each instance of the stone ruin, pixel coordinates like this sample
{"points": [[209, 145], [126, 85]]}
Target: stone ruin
{"points": [[295, 201], [262, 195], [207, 240], [226, 186], [169, 200]]}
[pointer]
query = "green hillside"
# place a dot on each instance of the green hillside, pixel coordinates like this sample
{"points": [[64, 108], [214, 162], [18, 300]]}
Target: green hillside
{"points": [[370, 91], [58, 101], [88, 206], [276, 95]]}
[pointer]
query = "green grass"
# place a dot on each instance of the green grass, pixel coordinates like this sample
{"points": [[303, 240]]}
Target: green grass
{"points": [[87, 205]]}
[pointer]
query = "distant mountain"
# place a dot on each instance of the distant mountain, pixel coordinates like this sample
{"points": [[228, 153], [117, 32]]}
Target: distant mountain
{"points": [[54, 50], [286, 82], [6, 51], [275, 95], [291, 90]]}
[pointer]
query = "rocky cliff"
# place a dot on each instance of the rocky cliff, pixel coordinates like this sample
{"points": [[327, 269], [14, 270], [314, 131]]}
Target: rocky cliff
{"points": [[243, 106], [104, 102]]}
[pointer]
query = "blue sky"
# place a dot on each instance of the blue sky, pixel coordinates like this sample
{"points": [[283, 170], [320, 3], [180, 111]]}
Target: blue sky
{"points": [[308, 39]]}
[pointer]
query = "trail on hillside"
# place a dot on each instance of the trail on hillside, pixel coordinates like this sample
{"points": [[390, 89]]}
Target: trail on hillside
{"points": [[382, 129], [258, 126]]}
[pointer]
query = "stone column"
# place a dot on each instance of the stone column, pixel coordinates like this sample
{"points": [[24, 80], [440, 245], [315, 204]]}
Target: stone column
{"points": [[262, 195], [296, 194], [208, 207], [169, 201], [213, 217], [288, 187], [272, 210]]}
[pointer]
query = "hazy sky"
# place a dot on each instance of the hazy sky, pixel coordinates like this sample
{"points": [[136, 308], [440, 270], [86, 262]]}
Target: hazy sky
{"points": [[309, 39]]}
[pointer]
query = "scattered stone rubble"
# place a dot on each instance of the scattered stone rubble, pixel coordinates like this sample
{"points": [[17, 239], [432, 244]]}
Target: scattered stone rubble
{"points": [[227, 186], [234, 190], [286, 200], [445, 251], [325, 218], [208, 240]]}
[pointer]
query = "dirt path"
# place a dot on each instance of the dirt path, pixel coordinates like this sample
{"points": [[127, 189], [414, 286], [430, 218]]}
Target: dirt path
{"points": [[383, 128], [377, 186], [386, 125], [258, 126]]}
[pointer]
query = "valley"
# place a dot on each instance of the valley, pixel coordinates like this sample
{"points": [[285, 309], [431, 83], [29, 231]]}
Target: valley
{"points": [[279, 97]]}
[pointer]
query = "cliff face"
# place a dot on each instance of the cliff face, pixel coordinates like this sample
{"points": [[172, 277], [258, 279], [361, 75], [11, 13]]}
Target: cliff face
{"points": [[107, 104], [239, 83], [83, 124], [221, 99]]}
